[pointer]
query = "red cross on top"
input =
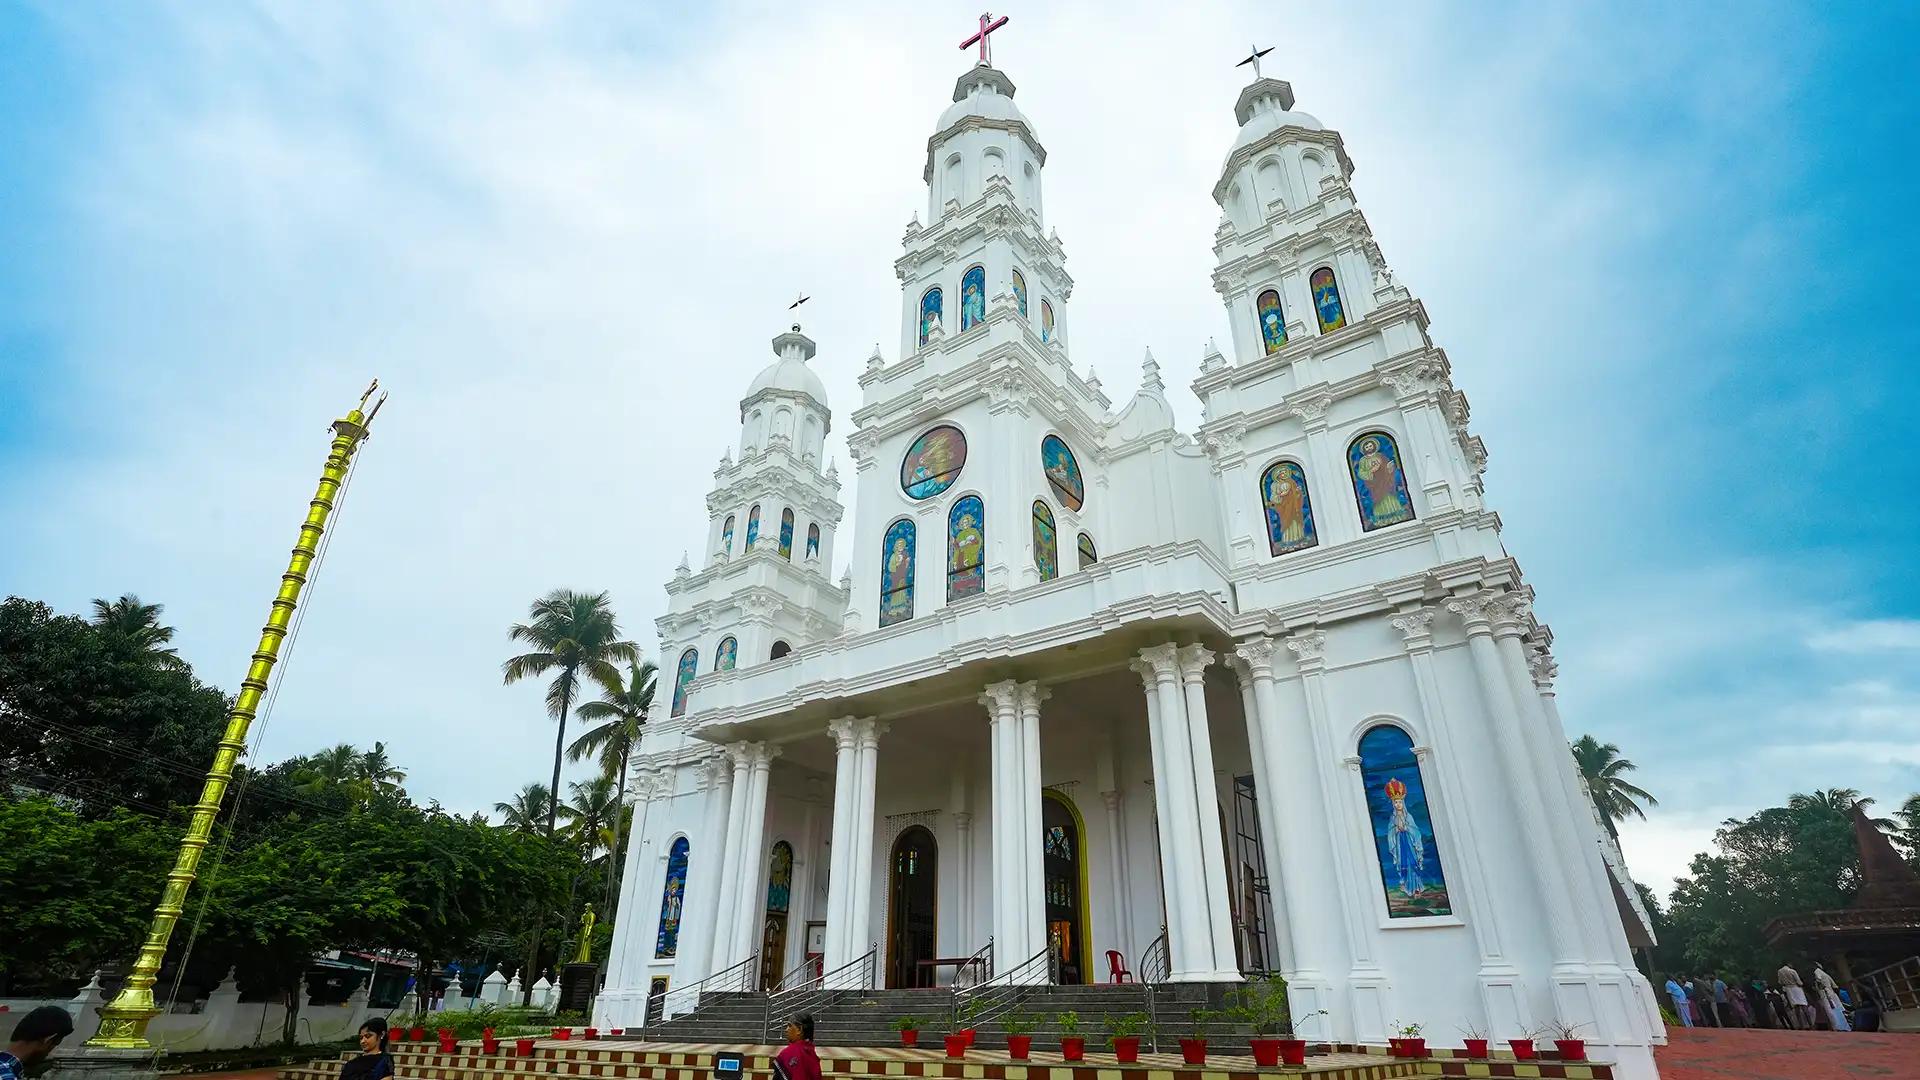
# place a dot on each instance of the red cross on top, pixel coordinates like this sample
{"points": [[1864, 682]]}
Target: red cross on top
{"points": [[988, 24]]}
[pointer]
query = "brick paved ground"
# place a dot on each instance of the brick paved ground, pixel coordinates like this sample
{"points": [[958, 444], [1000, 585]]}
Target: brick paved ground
{"points": [[1736, 1054]]}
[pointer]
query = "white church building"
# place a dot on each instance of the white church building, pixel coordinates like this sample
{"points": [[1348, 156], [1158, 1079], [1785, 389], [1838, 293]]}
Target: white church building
{"points": [[1271, 692]]}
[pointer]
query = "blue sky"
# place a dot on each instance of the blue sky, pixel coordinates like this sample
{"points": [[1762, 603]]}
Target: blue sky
{"points": [[1667, 247]]}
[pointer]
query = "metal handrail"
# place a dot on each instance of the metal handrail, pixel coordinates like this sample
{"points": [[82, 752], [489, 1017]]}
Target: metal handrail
{"points": [[1155, 962], [819, 991], [1017, 984], [738, 979], [980, 963]]}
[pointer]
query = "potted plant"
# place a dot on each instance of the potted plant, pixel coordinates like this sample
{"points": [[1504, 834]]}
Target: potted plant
{"points": [[523, 1048], [957, 1044], [1193, 1048], [449, 1042], [1123, 1032], [1567, 1041], [563, 1033], [1523, 1046], [1262, 1006], [1019, 1025], [1409, 1044], [417, 1031], [1072, 1046], [970, 1017], [909, 1029], [1475, 1041], [488, 1044]]}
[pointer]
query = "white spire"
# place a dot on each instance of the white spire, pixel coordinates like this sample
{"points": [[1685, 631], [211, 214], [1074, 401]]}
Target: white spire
{"points": [[1150, 373], [1211, 360]]}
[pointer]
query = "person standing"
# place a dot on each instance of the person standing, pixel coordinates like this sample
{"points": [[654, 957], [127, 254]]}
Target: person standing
{"points": [[1678, 995], [1824, 987], [1722, 1008], [35, 1038], [1799, 1013]]}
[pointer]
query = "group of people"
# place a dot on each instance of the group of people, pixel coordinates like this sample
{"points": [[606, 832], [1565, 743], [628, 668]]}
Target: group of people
{"points": [[1711, 1001]]}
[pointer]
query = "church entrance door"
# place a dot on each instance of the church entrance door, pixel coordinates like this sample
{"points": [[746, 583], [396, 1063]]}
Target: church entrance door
{"points": [[1062, 840], [912, 888]]}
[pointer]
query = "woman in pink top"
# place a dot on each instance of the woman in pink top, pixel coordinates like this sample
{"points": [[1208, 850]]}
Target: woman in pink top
{"points": [[797, 1060]]}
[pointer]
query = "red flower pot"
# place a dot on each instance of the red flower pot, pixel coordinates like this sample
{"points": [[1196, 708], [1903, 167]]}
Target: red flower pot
{"points": [[593, 1033], [1522, 1049], [1293, 1051], [418, 1033], [1476, 1048], [968, 1034], [563, 1033], [1019, 1046], [1193, 1051], [398, 1034], [1073, 1047], [1126, 1048], [909, 1037], [489, 1044], [957, 1044], [523, 1047], [1571, 1049], [617, 1032], [448, 1044], [1266, 1052], [1417, 1048], [1397, 1046]]}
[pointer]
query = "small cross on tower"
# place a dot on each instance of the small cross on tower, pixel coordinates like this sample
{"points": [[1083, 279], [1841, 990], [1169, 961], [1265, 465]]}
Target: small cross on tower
{"points": [[1254, 59], [988, 24]]}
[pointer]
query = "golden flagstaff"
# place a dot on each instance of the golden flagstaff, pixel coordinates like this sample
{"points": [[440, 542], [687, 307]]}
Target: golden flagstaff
{"points": [[123, 1024]]}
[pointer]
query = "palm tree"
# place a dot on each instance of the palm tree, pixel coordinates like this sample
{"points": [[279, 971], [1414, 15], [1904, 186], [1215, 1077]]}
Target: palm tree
{"points": [[624, 707], [1604, 771], [1834, 804], [589, 808], [137, 626], [1909, 815], [571, 633], [336, 766], [527, 810], [378, 769]]}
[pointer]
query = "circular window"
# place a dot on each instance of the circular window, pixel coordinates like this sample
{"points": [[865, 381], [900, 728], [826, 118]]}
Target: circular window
{"points": [[933, 462], [1063, 472]]}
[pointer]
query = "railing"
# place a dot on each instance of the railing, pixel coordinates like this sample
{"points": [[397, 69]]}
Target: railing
{"points": [[815, 993], [737, 979], [1895, 987], [984, 1000], [1155, 964], [979, 967]]}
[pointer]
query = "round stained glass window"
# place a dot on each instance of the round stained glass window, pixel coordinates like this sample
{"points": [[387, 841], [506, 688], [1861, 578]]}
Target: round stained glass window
{"points": [[933, 462], [1063, 472]]}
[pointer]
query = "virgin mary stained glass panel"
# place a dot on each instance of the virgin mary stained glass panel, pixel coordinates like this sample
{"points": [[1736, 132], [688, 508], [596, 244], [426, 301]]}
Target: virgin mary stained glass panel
{"points": [[1403, 840], [933, 462], [813, 541], [1326, 300], [896, 575], [1046, 321], [753, 527], [1020, 292], [689, 667], [966, 548], [726, 535], [1063, 472], [973, 298], [672, 901], [1379, 483], [1283, 491]]}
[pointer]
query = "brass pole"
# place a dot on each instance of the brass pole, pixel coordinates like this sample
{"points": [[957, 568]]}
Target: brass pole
{"points": [[123, 1024]]}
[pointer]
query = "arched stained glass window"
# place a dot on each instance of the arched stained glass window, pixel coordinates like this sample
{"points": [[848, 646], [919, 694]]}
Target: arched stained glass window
{"points": [[896, 573], [726, 536], [1283, 492], [1326, 300], [786, 533], [966, 548], [1046, 542], [727, 654], [1020, 292], [1046, 322], [813, 541], [1088, 556], [753, 527], [673, 898], [1273, 324], [689, 667], [930, 314], [1379, 482], [1403, 839], [973, 298]]}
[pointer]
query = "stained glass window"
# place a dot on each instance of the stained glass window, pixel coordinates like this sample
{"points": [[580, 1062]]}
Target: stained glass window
{"points": [[1283, 492], [1379, 483], [786, 533], [1088, 556], [753, 526], [1063, 472], [813, 541], [689, 667], [1326, 300], [933, 462], [973, 298], [672, 901], [726, 535], [780, 879], [727, 654], [1046, 542], [1046, 322], [1273, 324], [896, 573], [966, 548], [929, 313], [1020, 292], [1404, 843]]}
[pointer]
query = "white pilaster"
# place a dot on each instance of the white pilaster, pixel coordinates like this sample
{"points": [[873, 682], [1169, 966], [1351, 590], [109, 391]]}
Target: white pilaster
{"points": [[1192, 948], [1002, 702], [753, 863], [1194, 660], [840, 876], [1172, 896], [868, 734], [726, 901], [1029, 843]]}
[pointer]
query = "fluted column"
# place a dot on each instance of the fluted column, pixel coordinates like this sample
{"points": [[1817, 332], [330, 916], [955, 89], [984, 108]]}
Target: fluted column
{"points": [[1029, 842], [840, 872], [1117, 876], [867, 733], [1192, 949], [1172, 896], [750, 901], [706, 854], [1194, 661], [1265, 793], [726, 901], [1305, 855], [963, 881], [1002, 702]]}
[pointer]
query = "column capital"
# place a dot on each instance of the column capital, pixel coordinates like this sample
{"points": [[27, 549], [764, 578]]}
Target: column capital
{"points": [[741, 754], [1416, 627], [1000, 699], [1031, 694], [651, 784], [842, 732], [1512, 614], [962, 820], [1309, 650], [1256, 656], [1111, 797], [1163, 659], [1541, 665], [867, 732], [714, 770], [1194, 660], [1143, 669], [1476, 610]]}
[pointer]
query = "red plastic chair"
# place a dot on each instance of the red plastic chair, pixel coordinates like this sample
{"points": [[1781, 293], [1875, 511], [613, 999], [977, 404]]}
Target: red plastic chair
{"points": [[1117, 968]]}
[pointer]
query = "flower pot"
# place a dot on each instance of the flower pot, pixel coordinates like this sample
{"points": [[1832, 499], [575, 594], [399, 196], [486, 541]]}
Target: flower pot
{"points": [[1266, 1052], [968, 1034], [418, 1033], [448, 1044], [489, 1044], [617, 1032], [1522, 1049], [593, 1033], [1193, 1051], [1073, 1047], [1416, 1048], [1397, 1046], [957, 1044], [1571, 1049], [1476, 1048], [1293, 1051], [1019, 1046], [523, 1047], [1126, 1048], [563, 1033], [910, 1037]]}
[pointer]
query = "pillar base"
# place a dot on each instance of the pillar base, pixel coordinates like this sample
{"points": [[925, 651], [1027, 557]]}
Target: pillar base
{"points": [[102, 1063]]}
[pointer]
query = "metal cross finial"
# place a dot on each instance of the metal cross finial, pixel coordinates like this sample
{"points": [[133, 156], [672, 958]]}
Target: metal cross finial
{"points": [[803, 299], [988, 24], [1254, 59]]}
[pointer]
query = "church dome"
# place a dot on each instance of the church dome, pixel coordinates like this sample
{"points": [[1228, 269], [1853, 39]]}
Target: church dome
{"points": [[790, 372], [1265, 107], [985, 93]]}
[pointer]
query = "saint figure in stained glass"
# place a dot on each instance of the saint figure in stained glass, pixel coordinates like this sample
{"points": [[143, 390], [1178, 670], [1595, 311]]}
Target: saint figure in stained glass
{"points": [[1326, 300], [1063, 472], [933, 462], [813, 541], [726, 654], [726, 536], [786, 534], [896, 577], [1273, 325], [672, 901], [929, 313], [780, 879], [688, 668], [1379, 483], [1046, 542], [1283, 491], [1404, 843], [1020, 293], [753, 527], [1046, 322], [973, 298], [966, 548]]}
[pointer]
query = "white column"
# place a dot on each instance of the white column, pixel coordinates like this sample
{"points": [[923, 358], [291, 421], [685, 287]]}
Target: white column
{"points": [[753, 862], [726, 901], [1002, 703], [840, 876], [1171, 896], [1192, 949], [705, 855], [963, 882], [1117, 877], [635, 928], [868, 748], [1265, 793], [1029, 842], [1194, 660]]}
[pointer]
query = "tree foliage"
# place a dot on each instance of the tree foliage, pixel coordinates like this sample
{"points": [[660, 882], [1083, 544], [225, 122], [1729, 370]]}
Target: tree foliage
{"points": [[1605, 772]]}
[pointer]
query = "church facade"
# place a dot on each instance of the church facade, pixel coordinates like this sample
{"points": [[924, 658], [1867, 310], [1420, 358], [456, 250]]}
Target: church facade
{"points": [[1267, 697]]}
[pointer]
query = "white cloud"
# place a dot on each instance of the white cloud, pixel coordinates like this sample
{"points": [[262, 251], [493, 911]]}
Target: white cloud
{"points": [[1868, 635]]}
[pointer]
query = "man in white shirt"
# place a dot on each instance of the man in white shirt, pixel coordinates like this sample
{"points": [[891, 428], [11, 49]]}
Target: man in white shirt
{"points": [[1829, 996], [1799, 1012]]}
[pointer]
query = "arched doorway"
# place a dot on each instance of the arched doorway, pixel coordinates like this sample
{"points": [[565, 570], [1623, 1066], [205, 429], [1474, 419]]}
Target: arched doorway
{"points": [[773, 938], [1062, 843], [912, 889]]}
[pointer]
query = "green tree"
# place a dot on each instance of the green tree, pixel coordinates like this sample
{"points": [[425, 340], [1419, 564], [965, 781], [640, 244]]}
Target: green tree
{"points": [[379, 770], [589, 809], [1909, 834], [1604, 770], [622, 710], [135, 627], [528, 810]]}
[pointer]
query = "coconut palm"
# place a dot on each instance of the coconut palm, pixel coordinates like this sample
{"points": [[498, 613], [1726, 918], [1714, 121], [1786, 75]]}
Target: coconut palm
{"points": [[589, 808], [378, 769], [527, 811], [1909, 815], [137, 626], [623, 706], [1603, 768], [572, 634], [1834, 804], [336, 766]]}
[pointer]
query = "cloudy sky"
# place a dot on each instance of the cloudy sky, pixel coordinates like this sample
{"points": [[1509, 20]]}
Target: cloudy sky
{"points": [[1668, 248]]}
